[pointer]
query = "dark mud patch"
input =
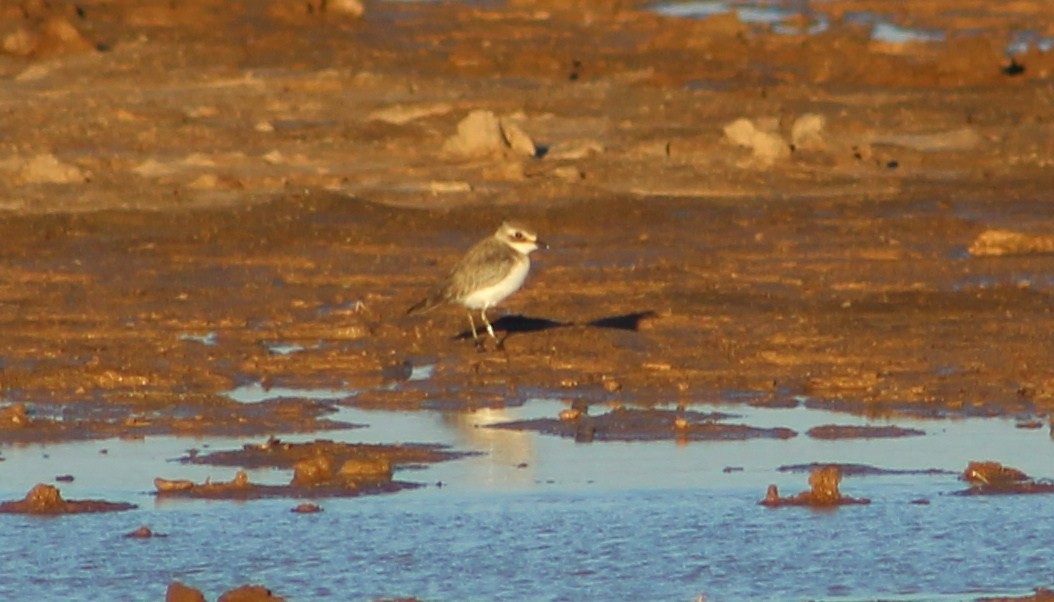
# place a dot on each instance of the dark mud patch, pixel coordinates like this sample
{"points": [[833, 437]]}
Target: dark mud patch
{"points": [[275, 453], [241, 489], [836, 431], [860, 470], [47, 500], [992, 478], [622, 424], [52, 423]]}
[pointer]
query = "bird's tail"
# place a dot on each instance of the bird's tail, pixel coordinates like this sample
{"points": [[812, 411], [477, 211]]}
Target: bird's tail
{"points": [[427, 304]]}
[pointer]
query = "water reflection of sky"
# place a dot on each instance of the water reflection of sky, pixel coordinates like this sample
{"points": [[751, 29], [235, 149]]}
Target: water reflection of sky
{"points": [[544, 518]]}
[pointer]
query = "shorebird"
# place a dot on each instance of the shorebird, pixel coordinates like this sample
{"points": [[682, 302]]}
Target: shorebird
{"points": [[491, 271]]}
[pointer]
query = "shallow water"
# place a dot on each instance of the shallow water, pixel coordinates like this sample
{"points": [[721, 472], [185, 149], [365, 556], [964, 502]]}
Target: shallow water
{"points": [[544, 518]]}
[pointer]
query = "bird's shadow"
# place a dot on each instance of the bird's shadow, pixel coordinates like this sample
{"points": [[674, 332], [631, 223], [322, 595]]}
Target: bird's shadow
{"points": [[516, 324]]}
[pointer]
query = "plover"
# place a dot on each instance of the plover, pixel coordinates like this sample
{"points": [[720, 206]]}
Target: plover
{"points": [[491, 271]]}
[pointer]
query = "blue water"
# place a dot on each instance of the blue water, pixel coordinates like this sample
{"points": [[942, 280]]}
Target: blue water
{"points": [[544, 518]]}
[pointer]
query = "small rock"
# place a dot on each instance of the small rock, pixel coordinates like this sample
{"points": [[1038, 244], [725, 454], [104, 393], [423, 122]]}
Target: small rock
{"points": [[64, 478], [766, 146], [177, 592], [517, 139], [807, 132], [307, 508], [352, 8], [478, 134], [47, 169]]}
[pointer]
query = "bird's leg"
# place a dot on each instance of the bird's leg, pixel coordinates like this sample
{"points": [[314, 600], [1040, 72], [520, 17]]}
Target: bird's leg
{"points": [[490, 329], [472, 325]]}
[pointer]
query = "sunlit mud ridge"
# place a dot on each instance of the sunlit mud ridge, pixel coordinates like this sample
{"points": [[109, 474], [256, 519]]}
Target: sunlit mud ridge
{"points": [[320, 469]]}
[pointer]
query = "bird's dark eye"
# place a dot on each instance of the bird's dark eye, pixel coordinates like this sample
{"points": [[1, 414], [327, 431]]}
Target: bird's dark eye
{"points": [[518, 236]]}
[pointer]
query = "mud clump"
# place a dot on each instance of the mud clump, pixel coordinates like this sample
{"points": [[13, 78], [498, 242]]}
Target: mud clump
{"points": [[144, 532], [992, 478], [823, 492], [250, 593], [46, 499], [997, 243], [623, 424]]}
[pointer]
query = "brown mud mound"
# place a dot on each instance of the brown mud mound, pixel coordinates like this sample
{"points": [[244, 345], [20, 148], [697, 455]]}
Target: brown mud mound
{"points": [[992, 478], [623, 424], [46, 499], [823, 492], [836, 431]]}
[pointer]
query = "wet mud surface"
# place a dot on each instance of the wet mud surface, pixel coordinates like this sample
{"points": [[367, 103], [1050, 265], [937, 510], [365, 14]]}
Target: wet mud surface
{"points": [[623, 424]]}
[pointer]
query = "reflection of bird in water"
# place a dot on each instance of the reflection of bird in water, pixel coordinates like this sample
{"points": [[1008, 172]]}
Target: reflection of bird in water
{"points": [[510, 455], [493, 269]]}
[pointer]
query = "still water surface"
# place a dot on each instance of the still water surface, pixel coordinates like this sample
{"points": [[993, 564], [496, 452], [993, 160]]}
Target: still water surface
{"points": [[600, 521]]}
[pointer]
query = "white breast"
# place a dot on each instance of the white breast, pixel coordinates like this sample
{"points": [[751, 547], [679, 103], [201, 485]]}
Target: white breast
{"points": [[496, 293]]}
